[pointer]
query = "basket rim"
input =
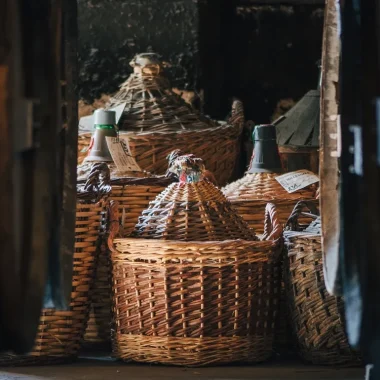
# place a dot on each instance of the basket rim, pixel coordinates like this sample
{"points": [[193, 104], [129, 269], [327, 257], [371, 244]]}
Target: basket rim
{"points": [[181, 132], [295, 234], [196, 243]]}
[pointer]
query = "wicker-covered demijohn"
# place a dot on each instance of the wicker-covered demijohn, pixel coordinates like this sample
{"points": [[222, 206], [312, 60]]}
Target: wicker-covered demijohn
{"points": [[60, 333], [250, 194], [317, 317], [156, 121], [195, 286]]}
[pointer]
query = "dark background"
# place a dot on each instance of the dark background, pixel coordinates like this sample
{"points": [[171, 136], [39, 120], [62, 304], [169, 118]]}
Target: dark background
{"points": [[262, 54]]}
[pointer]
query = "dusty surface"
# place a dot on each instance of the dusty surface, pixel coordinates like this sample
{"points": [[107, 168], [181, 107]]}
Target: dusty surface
{"points": [[109, 370]]}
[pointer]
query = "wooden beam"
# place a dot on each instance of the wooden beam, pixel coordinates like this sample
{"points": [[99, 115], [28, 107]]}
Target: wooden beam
{"points": [[328, 156], [279, 2]]}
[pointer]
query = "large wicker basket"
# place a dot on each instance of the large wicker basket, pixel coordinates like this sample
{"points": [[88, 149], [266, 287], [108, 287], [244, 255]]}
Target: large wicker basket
{"points": [[197, 286], [60, 333], [317, 317], [133, 196], [156, 121]]}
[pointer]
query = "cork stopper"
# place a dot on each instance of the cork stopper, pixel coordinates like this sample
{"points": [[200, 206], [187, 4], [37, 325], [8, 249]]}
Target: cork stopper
{"points": [[147, 64]]}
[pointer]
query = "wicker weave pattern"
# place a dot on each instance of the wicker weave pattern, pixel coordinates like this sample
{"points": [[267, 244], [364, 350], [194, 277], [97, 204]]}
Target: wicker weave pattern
{"points": [[250, 194], [218, 147], [316, 315], [152, 106], [193, 351], [158, 121], [225, 294], [192, 211], [60, 332], [132, 201], [263, 186], [98, 332], [133, 196]]}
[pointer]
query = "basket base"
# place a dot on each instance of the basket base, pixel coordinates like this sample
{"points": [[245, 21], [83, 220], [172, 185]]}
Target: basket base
{"points": [[334, 357], [192, 352]]}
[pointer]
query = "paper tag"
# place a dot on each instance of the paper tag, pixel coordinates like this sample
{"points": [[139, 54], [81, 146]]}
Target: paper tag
{"points": [[121, 154], [297, 180]]}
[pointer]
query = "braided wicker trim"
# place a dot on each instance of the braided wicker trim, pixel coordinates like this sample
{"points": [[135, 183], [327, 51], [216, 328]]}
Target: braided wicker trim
{"points": [[192, 352]]}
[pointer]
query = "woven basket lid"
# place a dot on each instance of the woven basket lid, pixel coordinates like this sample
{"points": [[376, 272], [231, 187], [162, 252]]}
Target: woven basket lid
{"points": [[263, 187], [151, 105], [192, 210]]}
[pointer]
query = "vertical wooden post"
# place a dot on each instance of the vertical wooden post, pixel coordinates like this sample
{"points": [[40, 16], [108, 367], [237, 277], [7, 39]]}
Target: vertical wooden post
{"points": [[329, 147]]}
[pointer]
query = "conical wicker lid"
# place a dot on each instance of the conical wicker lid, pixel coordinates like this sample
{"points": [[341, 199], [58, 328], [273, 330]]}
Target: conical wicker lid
{"points": [[193, 209], [264, 187], [151, 105]]}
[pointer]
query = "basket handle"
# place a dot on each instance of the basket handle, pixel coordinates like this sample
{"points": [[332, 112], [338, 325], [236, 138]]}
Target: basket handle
{"points": [[292, 222], [272, 225], [99, 179], [113, 225], [237, 113]]}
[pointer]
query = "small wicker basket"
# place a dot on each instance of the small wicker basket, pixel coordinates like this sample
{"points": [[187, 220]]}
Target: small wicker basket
{"points": [[156, 121], [317, 317], [197, 287], [133, 196], [60, 333]]}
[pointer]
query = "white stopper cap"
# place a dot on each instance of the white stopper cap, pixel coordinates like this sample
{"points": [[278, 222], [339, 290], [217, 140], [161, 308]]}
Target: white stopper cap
{"points": [[105, 117]]}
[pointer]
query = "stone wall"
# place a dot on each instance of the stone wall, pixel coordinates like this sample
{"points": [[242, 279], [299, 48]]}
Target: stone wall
{"points": [[264, 55]]}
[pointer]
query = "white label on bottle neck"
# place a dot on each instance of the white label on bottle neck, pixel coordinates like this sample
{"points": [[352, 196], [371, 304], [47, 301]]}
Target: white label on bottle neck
{"points": [[297, 180], [121, 154]]}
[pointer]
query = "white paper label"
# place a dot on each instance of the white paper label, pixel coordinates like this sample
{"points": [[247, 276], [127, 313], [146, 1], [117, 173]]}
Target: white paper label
{"points": [[121, 154], [297, 180]]}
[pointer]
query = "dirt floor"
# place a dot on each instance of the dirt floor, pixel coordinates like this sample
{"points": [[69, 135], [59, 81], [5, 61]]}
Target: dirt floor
{"points": [[109, 370]]}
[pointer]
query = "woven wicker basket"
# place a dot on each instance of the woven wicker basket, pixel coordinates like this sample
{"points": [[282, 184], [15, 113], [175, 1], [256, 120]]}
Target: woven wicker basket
{"points": [[133, 196], [156, 121], [250, 194], [317, 317], [60, 333], [190, 290]]}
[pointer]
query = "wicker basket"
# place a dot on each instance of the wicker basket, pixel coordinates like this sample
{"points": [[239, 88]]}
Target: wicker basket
{"points": [[250, 194], [156, 120], [196, 303], [191, 290], [133, 196], [60, 333], [317, 317]]}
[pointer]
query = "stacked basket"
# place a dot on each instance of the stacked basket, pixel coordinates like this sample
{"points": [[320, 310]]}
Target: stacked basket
{"points": [[195, 286], [133, 195], [250, 194], [156, 120], [317, 317], [60, 333]]}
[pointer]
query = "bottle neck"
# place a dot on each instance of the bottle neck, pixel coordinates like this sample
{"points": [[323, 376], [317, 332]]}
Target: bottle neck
{"points": [[104, 126]]}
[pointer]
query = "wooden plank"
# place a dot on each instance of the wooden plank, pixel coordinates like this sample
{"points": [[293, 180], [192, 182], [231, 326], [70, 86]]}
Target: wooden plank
{"points": [[328, 154], [280, 2], [69, 143]]}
